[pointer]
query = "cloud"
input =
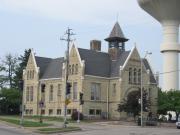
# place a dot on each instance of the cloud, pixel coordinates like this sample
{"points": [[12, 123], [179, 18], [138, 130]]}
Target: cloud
{"points": [[82, 11]]}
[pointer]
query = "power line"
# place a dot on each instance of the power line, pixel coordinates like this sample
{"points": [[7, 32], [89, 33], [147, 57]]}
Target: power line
{"points": [[167, 72]]}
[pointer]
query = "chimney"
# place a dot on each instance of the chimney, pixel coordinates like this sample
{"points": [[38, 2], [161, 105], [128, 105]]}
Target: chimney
{"points": [[95, 45], [113, 52]]}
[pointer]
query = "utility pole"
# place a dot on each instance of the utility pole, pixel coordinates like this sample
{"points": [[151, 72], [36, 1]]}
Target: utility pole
{"points": [[68, 40], [146, 54]]}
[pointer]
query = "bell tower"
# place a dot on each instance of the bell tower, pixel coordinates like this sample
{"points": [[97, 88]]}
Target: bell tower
{"points": [[116, 41]]}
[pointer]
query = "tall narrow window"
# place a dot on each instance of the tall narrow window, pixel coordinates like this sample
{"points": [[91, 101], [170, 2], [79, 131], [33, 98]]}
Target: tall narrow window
{"points": [[114, 90], [76, 69], [72, 69], [95, 91], [139, 76], [27, 94], [130, 75], [31, 93], [51, 93], [135, 76], [69, 69], [59, 89], [75, 91], [33, 74], [28, 75]]}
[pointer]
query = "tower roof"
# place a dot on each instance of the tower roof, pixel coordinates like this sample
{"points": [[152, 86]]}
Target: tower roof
{"points": [[116, 34]]}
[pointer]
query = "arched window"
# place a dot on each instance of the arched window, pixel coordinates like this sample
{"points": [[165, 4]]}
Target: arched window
{"points": [[135, 75], [31, 93], [27, 94], [139, 76], [76, 69], [33, 74], [51, 93], [72, 69], [130, 75], [69, 69], [28, 75]]}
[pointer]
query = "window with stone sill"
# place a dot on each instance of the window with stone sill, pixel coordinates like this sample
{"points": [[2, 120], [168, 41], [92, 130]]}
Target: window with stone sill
{"points": [[59, 89], [51, 93], [50, 112], [91, 111], [139, 76], [130, 75], [58, 111], [95, 91], [69, 70], [76, 69], [27, 94], [98, 112], [135, 76], [68, 111], [28, 75], [114, 90], [31, 93], [75, 91], [72, 69], [33, 74]]}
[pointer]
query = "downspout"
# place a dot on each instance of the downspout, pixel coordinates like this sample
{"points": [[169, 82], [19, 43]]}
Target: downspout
{"points": [[108, 87]]}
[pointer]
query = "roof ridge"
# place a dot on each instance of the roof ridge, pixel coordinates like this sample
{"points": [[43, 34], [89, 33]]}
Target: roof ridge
{"points": [[50, 58], [94, 51]]}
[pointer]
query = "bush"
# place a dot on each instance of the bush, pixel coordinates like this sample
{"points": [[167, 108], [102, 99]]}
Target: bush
{"points": [[74, 116]]}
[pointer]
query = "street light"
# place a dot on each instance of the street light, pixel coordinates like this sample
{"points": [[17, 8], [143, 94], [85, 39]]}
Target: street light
{"points": [[146, 54]]}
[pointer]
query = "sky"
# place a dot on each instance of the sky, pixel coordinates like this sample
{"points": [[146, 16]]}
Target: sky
{"points": [[39, 24]]}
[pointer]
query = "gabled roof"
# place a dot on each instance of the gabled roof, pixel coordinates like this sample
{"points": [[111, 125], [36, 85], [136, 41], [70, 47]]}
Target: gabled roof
{"points": [[115, 65], [116, 34], [100, 64], [49, 68], [96, 63], [54, 69], [147, 66]]}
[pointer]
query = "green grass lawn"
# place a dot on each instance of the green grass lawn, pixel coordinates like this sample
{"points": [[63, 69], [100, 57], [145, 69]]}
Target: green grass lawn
{"points": [[26, 123], [47, 118], [58, 130]]}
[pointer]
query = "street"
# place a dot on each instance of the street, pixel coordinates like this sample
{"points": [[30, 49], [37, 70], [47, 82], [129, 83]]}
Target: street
{"points": [[126, 130], [99, 128], [8, 130]]}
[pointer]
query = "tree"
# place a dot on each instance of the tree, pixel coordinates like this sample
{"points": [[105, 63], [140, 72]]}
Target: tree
{"points": [[10, 100], [9, 65], [173, 99], [23, 59], [162, 102], [132, 104], [3, 79], [169, 101]]}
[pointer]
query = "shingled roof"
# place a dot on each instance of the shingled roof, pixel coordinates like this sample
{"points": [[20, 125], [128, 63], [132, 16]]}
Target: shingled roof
{"points": [[100, 64], [96, 64], [147, 66], [49, 68], [116, 34]]}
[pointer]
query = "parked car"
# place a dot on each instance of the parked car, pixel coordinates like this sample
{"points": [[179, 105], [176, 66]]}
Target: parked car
{"points": [[178, 124]]}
